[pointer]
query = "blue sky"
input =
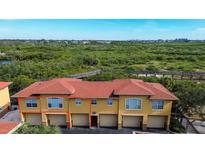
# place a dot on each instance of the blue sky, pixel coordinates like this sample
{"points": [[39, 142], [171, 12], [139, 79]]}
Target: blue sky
{"points": [[102, 29]]}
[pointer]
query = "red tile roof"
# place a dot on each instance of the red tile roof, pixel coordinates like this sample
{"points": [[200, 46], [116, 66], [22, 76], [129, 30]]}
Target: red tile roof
{"points": [[131, 87], [4, 84], [53, 86], [97, 89], [6, 127], [161, 92]]}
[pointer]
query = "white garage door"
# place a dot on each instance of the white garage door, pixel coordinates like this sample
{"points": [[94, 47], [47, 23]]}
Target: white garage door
{"points": [[56, 120], [80, 120], [156, 121], [108, 120], [33, 119], [131, 121]]}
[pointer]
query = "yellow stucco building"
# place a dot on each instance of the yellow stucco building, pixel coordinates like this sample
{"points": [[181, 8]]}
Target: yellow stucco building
{"points": [[76, 103], [4, 97]]}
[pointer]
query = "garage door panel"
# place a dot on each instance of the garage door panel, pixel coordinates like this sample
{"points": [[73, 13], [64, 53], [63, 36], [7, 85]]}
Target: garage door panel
{"points": [[108, 120], [156, 121], [57, 120], [33, 119], [80, 120], [132, 121]]}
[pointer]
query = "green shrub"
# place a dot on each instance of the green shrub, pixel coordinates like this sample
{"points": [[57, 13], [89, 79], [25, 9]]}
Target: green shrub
{"points": [[175, 126], [90, 61], [29, 129], [152, 68]]}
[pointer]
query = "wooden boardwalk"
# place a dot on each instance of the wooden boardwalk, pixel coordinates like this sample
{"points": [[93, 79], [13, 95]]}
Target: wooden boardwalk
{"points": [[199, 76], [172, 74], [85, 75]]}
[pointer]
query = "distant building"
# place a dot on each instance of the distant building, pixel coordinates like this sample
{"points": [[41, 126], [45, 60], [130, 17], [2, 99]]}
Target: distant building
{"points": [[4, 98], [86, 42]]}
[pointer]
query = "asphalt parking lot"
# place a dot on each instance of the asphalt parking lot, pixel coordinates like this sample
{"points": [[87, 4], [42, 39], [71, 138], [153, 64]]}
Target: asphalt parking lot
{"points": [[77, 130]]}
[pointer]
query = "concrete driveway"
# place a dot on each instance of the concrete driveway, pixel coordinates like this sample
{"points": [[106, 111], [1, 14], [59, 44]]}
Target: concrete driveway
{"points": [[11, 116]]}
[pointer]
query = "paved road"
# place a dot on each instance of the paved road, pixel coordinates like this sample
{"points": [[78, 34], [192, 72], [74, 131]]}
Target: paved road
{"points": [[199, 127], [11, 116], [196, 124]]}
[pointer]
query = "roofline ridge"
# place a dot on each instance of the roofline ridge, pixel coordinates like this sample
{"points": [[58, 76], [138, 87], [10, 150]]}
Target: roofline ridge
{"points": [[138, 84], [66, 87], [121, 86], [166, 91], [46, 85], [29, 87], [52, 83], [130, 81]]}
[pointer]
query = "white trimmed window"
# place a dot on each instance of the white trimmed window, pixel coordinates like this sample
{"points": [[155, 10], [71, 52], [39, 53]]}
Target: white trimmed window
{"points": [[55, 102], [133, 104], [157, 105], [78, 101], [109, 102], [31, 102]]}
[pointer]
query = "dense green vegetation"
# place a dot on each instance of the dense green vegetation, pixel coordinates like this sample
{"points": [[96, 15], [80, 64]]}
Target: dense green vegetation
{"points": [[32, 61], [47, 60], [28, 129], [176, 126]]}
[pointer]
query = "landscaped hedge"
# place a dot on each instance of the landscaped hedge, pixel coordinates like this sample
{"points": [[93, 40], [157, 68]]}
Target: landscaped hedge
{"points": [[28, 129]]}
